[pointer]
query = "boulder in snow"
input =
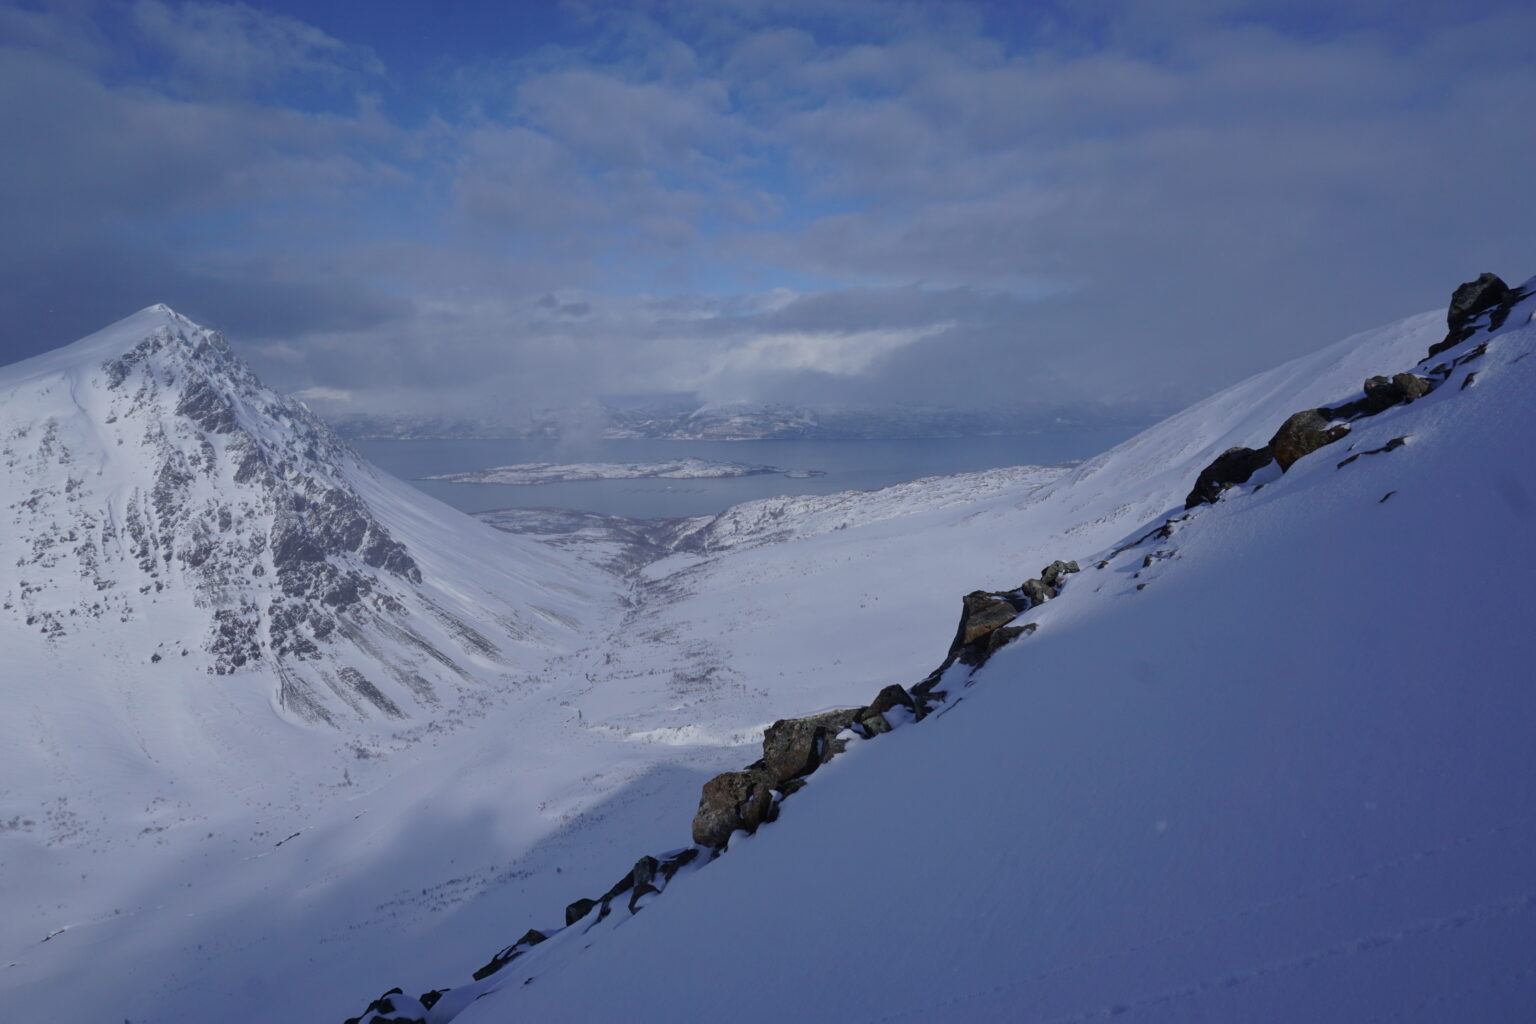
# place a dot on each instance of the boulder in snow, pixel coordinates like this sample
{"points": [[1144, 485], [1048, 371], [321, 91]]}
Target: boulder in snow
{"points": [[532, 937], [982, 612], [798, 746], [1303, 433], [892, 696], [734, 800], [578, 910], [1470, 301], [976, 654], [1233, 466]]}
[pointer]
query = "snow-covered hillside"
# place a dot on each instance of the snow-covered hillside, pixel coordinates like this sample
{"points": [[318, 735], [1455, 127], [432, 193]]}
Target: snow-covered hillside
{"points": [[166, 509], [794, 604], [1267, 759], [219, 628], [1272, 762]]}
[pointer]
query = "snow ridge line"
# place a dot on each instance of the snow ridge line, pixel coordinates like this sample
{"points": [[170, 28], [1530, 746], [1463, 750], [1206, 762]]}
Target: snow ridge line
{"points": [[795, 748]]}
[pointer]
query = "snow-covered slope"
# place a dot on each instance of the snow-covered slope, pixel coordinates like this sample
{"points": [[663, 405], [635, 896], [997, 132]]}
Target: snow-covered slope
{"points": [[164, 507], [219, 627], [197, 850], [794, 604], [1271, 763]]}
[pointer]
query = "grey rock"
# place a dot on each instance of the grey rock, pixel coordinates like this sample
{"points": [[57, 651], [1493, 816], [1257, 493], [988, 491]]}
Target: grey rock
{"points": [[1303, 433], [532, 937], [1411, 386], [798, 746], [1469, 302], [642, 880], [874, 722], [1391, 446], [671, 865], [1053, 574], [982, 612], [977, 654], [578, 910], [1381, 393], [203, 404], [1232, 467], [892, 696], [734, 800], [1038, 591], [1473, 298]]}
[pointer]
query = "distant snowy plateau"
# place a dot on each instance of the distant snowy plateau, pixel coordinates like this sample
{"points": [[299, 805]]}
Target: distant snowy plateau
{"points": [[690, 468], [1255, 744]]}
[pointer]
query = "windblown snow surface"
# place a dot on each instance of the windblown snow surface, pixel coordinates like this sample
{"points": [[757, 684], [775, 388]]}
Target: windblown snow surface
{"points": [[1289, 778], [1275, 767]]}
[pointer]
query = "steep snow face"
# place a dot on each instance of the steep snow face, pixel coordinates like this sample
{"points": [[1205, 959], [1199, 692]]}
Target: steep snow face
{"points": [[1271, 764], [164, 506]]}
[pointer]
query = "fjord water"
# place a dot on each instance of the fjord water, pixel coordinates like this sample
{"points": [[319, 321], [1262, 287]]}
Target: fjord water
{"points": [[847, 465]]}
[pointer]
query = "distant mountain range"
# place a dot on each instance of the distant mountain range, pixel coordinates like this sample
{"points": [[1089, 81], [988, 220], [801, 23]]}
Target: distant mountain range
{"points": [[684, 420]]}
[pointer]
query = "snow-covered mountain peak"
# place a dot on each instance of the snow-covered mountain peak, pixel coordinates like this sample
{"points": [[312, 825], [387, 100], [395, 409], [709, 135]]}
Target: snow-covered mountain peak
{"points": [[115, 340], [165, 503]]}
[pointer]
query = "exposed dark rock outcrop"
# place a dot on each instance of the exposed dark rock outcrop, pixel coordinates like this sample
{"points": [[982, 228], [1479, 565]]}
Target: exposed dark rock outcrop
{"points": [[873, 723], [1488, 294], [1053, 574], [798, 746], [890, 698], [578, 909], [393, 1007], [1391, 446], [927, 695], [1046, 588], [1474, 298], [203, 404], [978, 653], [1382, 393], [1036, 591], [640, 878], [1232, 467], [532, 937], [981, 612], [1303, 433], [734, 800], [1307, 431]]}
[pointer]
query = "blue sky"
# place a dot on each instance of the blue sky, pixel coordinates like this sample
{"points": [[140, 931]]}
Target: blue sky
{"points": [[1056, 207]]}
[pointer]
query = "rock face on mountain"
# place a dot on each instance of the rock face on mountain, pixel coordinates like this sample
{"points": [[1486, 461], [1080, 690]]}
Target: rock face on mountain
{"points": [[1232, 467], [166, 505], [1489, 297]]}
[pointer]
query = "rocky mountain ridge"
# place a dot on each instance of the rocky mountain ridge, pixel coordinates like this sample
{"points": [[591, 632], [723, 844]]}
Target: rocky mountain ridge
{"points": [[690, 421], [739, 803], [161, 494]]}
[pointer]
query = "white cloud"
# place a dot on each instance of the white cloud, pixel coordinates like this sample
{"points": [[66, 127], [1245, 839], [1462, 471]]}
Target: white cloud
{"points": [[857, 202], [323, 394], [239, 46]]}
